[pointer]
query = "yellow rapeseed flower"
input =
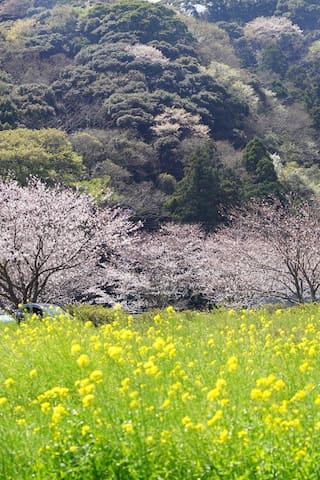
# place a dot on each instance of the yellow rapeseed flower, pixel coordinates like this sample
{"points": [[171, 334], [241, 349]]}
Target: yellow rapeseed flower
{"points": [[149, 440], [256, 394], [86, 389], [266, 381], [75, 348], [300, 453], [85, 429], [170, 350], [3, 400], [224, 436], [278, 385], [88, 400], [55, 392], [133, 404], [33, 373], [232, 364], [187, 422], [159, 343], [304, 367], [213, 394], [83, 360], [45, 407], [96, 376], [114, 352], [8, 382], [299, 395], [217, 416], [165, 437], [165, 403], [150, 368], [57, 413], [221, 383], [124, 385], [127, 427], [185, 396], [199, 427]]}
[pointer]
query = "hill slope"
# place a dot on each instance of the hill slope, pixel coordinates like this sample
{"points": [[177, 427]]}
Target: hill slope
{"points": [[135, 91]]}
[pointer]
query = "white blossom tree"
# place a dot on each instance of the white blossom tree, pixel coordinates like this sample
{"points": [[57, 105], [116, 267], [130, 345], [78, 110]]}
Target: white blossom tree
{"points": [[148, 53], [164, 267], [271, 252], [180, 123], [265, 30], [52, 240]]}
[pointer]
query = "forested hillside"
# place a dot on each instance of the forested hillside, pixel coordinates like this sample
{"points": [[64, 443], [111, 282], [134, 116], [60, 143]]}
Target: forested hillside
{"points": [[182, 109]]}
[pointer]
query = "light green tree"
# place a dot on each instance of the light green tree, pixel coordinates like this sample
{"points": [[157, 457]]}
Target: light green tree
{"points": [[45, 153]]}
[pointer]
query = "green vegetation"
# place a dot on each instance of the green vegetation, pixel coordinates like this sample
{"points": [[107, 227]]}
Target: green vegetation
{"points": [[140, 89], [229, 394], [261, 171], [204, 189], [45, 153]]}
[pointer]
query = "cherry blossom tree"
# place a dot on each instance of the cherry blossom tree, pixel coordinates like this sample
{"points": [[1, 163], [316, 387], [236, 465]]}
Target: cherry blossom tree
{"points": [[240, 269], [180, 123], [164, 267], [270, 29], [52, 240], [271, 252], [148, 53]]}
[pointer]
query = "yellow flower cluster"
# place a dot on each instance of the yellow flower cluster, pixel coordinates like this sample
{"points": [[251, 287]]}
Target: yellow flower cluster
{"points": [[238, 389]]}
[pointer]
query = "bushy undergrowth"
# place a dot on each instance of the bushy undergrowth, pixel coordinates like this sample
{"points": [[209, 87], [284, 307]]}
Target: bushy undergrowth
{"points": [[225, 395], [97, 314]]}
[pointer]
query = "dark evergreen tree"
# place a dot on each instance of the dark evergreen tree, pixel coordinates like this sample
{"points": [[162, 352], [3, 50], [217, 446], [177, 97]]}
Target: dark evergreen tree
{"points": [[204, 189], [263, 180]]}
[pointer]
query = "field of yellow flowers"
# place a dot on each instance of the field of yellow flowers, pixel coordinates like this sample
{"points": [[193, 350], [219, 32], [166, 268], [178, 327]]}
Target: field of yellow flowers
{"points": [[177, 396]]}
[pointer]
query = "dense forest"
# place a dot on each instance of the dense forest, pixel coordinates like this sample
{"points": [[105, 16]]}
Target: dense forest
{"points": [[183, 110]]}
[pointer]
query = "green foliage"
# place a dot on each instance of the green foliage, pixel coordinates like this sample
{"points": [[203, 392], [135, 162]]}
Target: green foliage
{"points": [[98, 187], [204, 189], [305, 76], [89, 147], [167, 183], [36, 105], [259, 165], [45, 153], [8, 113], [303, 12], [97, 314], [143, 21], [244, 11], [274, 59]]}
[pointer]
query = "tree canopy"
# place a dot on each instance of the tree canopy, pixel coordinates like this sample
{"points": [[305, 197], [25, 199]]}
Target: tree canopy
{"points": [[45, 153]]}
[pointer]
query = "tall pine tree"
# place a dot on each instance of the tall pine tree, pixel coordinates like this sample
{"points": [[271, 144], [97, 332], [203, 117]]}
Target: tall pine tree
{"points": [[205, 191], [262, 177]]}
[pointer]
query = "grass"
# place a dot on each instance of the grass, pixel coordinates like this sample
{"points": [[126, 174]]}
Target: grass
{"points": [[224, 395]]}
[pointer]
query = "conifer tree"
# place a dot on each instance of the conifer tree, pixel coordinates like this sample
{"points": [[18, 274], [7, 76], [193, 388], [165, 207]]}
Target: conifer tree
{"points": [[258, 163], [203, 189]]}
